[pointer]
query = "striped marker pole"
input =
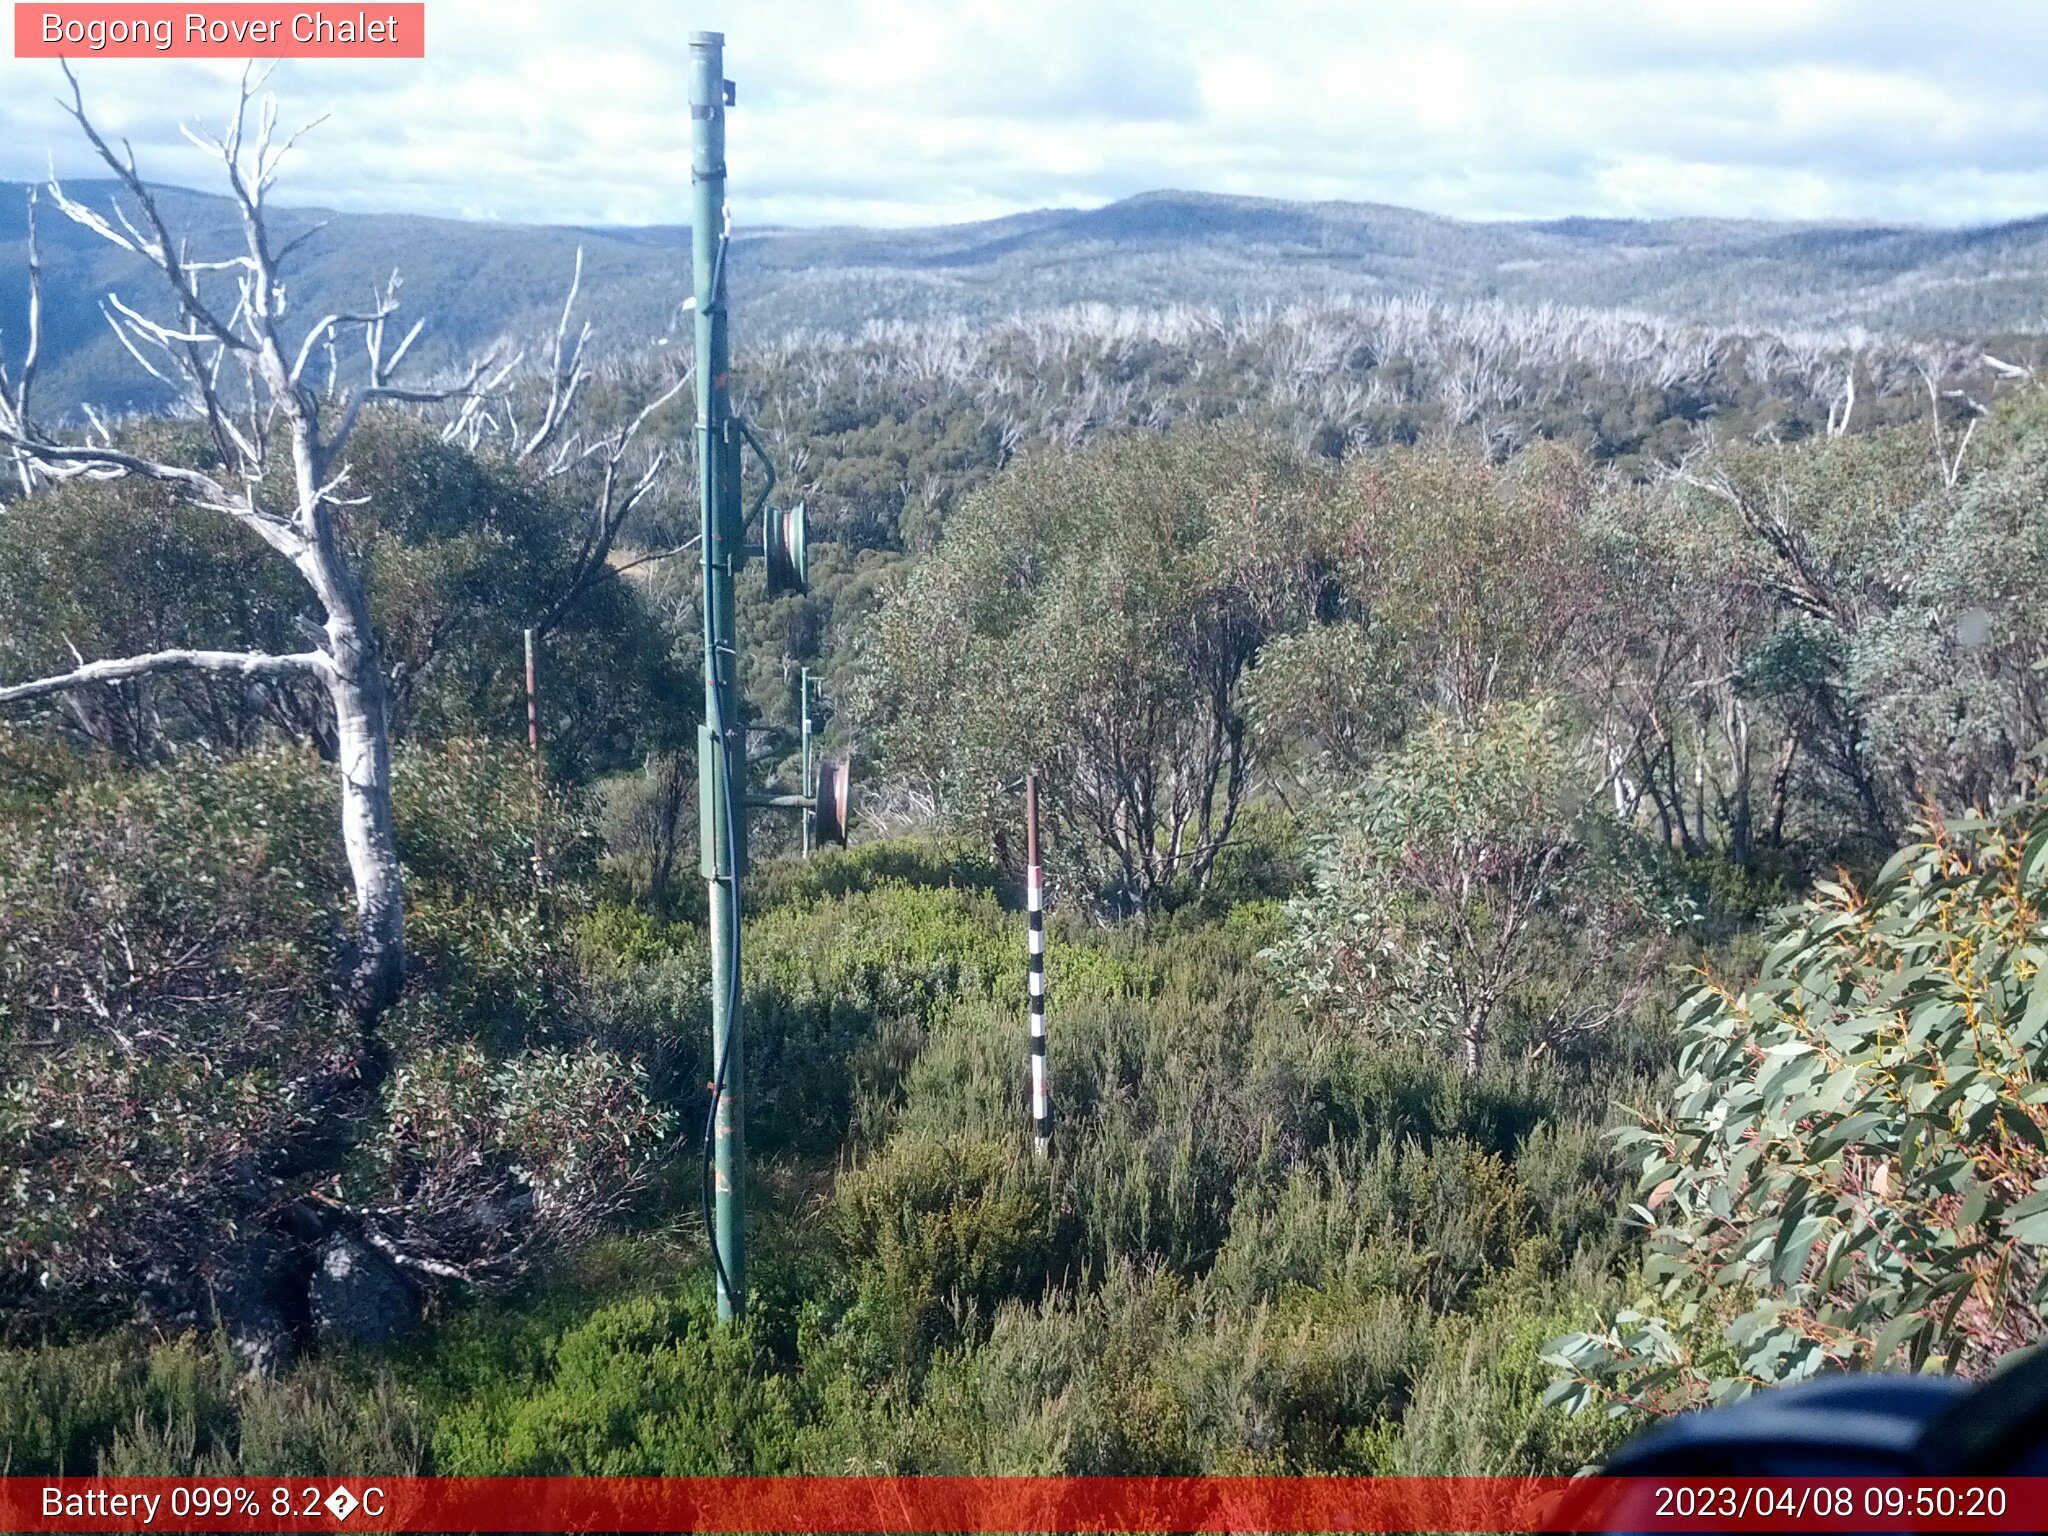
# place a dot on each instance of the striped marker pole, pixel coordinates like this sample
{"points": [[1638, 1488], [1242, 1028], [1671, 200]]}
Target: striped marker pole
{"points": [[1041, 1096], [540, 863]]}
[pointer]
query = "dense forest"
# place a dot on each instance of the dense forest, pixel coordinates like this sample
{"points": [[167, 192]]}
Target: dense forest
{"points": [[1542, 826]]}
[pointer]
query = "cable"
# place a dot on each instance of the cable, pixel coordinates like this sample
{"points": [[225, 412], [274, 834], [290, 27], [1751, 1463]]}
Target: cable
{"points": [[732, 996]]}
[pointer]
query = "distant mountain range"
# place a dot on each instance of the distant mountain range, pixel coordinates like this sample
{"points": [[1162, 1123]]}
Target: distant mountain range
{"points": [[477, 281]]}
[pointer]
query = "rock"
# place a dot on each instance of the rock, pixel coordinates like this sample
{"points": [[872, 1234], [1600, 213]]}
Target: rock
{"points": [[358, 1296], [262, 1341], [247, 1292]]}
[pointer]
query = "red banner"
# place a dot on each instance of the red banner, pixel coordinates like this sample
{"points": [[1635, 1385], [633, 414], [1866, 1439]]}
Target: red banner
{"points": [[242, 31], [933, 1504]]}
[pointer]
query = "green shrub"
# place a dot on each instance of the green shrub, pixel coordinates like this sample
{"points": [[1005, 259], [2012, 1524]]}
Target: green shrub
{"points": [[1149, 1374], [1478, 1408], [1079, 1385], [649, 1387], [490, 955], [126, 567], [34, 767], [176, 1073], [1156, 1128], [1855, 1148], [501, 974], [895, 950], [937, 1233], [313, 1424], [61, 1405], [934, 863], [168, 944], [1463, 890], [837, 989], [1265, 860], [1429, 1223], [1398, 1093], [1578, 1184], [1295, 1388], [1238, 1259], [647, 993], [481, 1165], [1175, 1074], [467, 814], [649, 821], [614, 938]]}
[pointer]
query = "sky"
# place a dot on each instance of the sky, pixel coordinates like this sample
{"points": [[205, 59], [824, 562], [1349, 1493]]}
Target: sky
{"points": [[899, 112]]}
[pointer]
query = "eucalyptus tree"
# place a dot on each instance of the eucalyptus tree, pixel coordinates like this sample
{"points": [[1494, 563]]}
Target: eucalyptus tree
{"points": [[1468, 878], [1851, 1171], [1093, 616], [1823, 638]]}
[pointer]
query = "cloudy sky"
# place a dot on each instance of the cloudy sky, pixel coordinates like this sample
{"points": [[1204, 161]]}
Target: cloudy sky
{"points": [[927, 111]]}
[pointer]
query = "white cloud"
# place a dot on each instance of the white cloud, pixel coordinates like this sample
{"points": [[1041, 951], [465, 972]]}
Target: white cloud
{"points": [[917, 111]]}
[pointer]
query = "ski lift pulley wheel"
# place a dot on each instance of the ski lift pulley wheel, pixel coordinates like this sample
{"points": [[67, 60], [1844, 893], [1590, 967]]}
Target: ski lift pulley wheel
{"points": [[834, 789], [784, 541]]}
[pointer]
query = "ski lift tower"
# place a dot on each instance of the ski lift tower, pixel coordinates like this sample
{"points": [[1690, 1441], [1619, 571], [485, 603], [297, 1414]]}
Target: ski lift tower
{"points": [[722, 796]]}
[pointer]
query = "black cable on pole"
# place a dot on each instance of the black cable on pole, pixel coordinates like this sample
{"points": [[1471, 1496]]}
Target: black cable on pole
{"points": [[732, 1003], [732, 997]]}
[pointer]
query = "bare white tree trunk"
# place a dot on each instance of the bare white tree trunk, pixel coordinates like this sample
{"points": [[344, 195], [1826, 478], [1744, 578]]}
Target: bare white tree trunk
{"points": [[364, 751]]}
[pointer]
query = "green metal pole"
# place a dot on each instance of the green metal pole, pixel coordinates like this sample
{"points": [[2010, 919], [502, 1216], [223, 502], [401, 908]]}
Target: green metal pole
{"points": [[721, 740]]}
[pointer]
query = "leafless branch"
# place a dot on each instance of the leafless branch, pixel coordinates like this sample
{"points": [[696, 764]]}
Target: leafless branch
{"points": [[467, 388], [564, 378], [159, 248], [15, 395], [1951, 463], [323, 332], [285, 251], [614, 502], [469, 424], [247, 664], [1806, 584], [79, 460], [664, 554], [121, 334]]}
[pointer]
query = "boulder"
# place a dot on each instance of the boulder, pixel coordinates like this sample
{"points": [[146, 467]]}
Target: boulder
{"points": [[358, 1296]]}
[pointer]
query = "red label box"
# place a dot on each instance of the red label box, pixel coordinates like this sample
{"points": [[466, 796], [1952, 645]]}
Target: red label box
{"points": [[924, 1506], [239, 31]]}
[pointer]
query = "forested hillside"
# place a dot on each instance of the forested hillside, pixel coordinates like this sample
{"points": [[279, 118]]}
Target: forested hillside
{"points": [[1542, 819], [1831, 286]]}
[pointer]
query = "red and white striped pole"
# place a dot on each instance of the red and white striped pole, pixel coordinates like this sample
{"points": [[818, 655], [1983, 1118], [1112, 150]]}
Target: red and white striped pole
{"points": [[1041, 1094]]}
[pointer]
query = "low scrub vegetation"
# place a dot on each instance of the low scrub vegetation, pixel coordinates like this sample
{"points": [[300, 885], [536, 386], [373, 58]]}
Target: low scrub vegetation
{"points": [[1486, 980], [1260, 1246]]}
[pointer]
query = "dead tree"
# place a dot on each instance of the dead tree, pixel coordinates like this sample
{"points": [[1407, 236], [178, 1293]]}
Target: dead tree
{"points": [[602, 464], [16, 390], [239, 375]]}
